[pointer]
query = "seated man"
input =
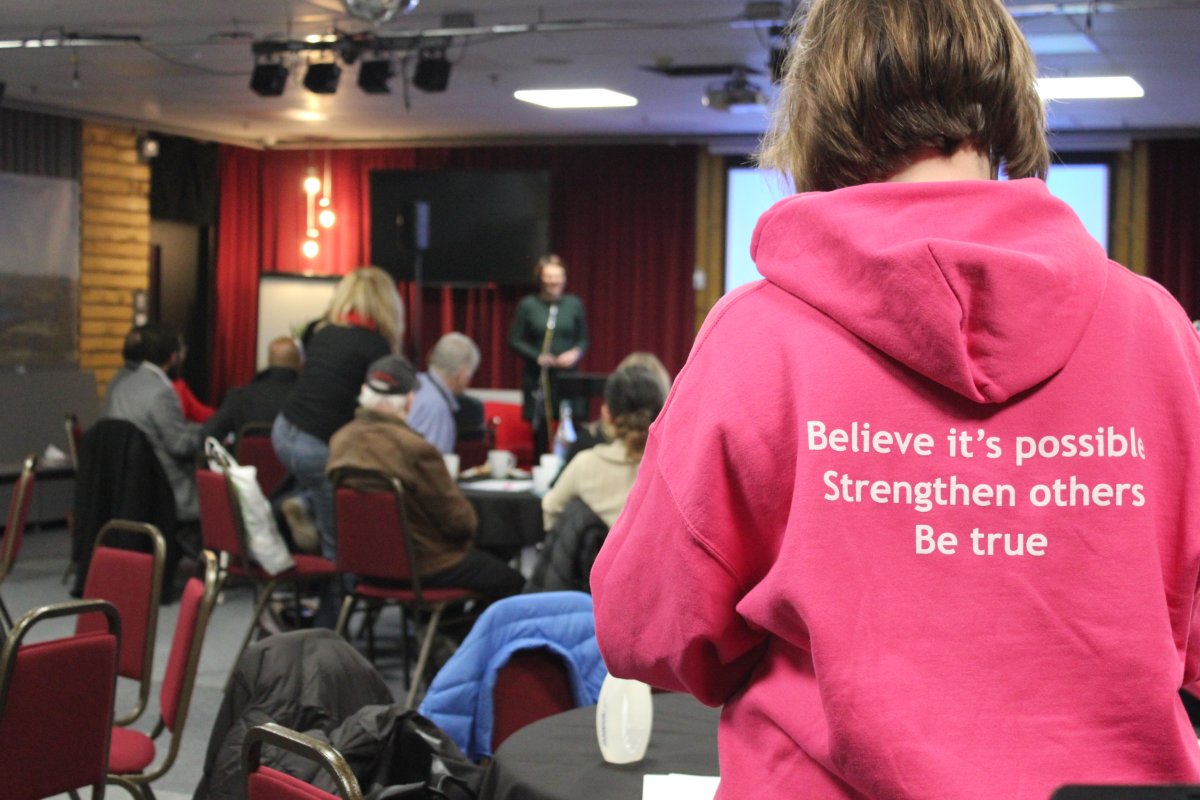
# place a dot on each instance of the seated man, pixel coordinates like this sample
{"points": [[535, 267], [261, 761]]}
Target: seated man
{"points": [[441, 519], [146, 398], [452, 363], [262, 398]]}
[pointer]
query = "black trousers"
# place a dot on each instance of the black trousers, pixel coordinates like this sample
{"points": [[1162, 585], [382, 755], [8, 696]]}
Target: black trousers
{"points": [[480, 572]]}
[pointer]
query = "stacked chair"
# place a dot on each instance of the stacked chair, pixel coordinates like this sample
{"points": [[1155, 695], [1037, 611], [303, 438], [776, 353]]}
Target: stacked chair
{"points": [[56, 705], [132, 753], [14, 530], [131, 581], [264, 783]]}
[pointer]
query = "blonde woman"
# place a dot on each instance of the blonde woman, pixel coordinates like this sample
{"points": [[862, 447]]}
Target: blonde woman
{"points": [[364, 322]]}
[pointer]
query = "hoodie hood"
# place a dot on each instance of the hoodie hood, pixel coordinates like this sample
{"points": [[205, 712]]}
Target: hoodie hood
{"points": [[985, 287]]}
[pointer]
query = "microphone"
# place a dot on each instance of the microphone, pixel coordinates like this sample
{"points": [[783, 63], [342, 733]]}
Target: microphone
{"points": [[553, 317]]}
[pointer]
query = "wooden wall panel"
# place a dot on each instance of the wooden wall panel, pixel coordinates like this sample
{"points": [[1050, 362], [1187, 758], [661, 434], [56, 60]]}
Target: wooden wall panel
{"points": [[710, 233], [115, 199]]}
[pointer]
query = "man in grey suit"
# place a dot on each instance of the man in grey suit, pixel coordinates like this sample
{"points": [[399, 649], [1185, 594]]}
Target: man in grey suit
{"points": [[146, 398]]}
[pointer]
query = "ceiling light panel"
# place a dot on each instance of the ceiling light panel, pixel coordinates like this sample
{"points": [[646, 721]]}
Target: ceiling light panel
{"points": [[575, 98], [1095, 88]]}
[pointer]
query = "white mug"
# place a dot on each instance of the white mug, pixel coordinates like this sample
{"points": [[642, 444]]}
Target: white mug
{"points": [[452, 464], [500, 463], [552, 463], [541, 479]]}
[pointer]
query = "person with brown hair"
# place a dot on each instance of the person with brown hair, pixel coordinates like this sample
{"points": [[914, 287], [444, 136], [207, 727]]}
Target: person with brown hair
{"points": [[920, 512], [548, 331], [602, 476]]}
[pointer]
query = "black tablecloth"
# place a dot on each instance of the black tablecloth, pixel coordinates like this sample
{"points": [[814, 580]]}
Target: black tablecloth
{"points": [[508, 521], [557, 758]]}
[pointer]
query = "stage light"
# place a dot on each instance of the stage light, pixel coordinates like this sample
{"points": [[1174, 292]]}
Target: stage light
{"points": [[326, 218], [269, 80], [322, 77], [433, 70], [310, 248], [373, 76]]}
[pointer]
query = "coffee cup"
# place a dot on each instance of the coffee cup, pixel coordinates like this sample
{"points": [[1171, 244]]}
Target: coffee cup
{"points": [[542, 477], [500, 463], [552, 463], [452, 464]]}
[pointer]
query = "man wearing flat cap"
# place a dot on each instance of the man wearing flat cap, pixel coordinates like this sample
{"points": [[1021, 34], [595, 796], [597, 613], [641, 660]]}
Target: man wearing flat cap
{"points": [[441, 519]]}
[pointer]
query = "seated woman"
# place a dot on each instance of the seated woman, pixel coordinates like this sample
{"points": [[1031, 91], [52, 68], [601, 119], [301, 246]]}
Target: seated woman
{"points": [[602, 476], [593, 433]]}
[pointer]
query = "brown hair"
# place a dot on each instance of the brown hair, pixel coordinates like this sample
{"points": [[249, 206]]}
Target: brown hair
{"points": [[550, 259], [633, 395], [868, 83]]}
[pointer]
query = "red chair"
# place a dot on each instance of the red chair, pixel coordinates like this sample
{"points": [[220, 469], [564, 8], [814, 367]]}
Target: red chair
{"points": [[533, 684], [223, 531], [14, 530], [254, 449], [374, 545], [56, 705], [132, 581], [513, 432], [264, 783], [132, 752]]}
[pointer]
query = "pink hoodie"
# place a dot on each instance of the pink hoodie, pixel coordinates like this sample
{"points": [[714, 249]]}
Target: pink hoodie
{"points": [[923, 508]]}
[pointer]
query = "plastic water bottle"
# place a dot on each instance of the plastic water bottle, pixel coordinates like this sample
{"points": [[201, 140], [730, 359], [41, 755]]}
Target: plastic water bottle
{"points": [[624, 719], [564, 437]]}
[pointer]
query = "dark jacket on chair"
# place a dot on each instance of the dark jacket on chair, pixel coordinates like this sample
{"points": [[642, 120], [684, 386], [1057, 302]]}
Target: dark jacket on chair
{"points": [[309, 681], [565, 559], [119, 477]]}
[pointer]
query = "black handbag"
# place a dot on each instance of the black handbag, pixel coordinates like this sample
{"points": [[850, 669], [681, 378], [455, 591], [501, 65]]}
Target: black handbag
{"points": [[401, 755]]}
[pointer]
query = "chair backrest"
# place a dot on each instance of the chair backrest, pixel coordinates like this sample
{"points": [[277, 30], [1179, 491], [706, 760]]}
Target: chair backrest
{"points": [[264, 783], [220, 518], [18, 512], [254, 449], [513, 431], [132, 581], [372, 527], [533, 684], [195, 608], [74, 437], [56, 705]]}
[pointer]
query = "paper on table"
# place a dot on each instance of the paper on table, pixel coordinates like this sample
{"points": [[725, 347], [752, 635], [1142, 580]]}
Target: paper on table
{"points": [[501, 485], [678, 786]]}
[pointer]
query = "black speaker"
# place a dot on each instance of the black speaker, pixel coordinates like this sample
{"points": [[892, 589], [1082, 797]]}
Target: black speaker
{"points": [[269, 80], [432, 73], [2, 85], [412, 225]]}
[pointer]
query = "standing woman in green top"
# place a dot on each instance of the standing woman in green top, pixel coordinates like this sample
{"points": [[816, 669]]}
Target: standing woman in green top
{"points": [[550, 333]]}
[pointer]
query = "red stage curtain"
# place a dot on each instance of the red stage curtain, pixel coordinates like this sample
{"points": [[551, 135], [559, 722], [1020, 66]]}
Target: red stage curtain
{"points": [[623, 219], [1173, 236]]}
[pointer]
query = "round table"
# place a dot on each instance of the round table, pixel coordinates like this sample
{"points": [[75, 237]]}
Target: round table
{"points": [[557, 758], [508, 521]]}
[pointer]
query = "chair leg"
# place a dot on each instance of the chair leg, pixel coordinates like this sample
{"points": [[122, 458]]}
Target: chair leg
{"points": [[423, 658], [138, 791], [348, 603], [263, 597]]}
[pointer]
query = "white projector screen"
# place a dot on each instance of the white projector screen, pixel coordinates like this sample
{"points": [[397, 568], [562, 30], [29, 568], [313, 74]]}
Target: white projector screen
{"points": [[286, 303]]}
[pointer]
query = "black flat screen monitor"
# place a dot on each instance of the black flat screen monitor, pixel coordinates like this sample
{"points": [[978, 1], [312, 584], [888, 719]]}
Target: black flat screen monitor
{"points": [[483, 226]]}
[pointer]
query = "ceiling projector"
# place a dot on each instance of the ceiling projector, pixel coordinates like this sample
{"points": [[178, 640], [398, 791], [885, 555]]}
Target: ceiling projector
{"points": [[734, 95]]}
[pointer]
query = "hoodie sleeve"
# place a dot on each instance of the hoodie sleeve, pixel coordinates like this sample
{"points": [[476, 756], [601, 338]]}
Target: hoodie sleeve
{"points": [[665, 602], [701, 527]]}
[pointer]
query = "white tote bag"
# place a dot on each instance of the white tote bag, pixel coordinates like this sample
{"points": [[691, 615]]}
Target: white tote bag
{"points": [[267, 547]]}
